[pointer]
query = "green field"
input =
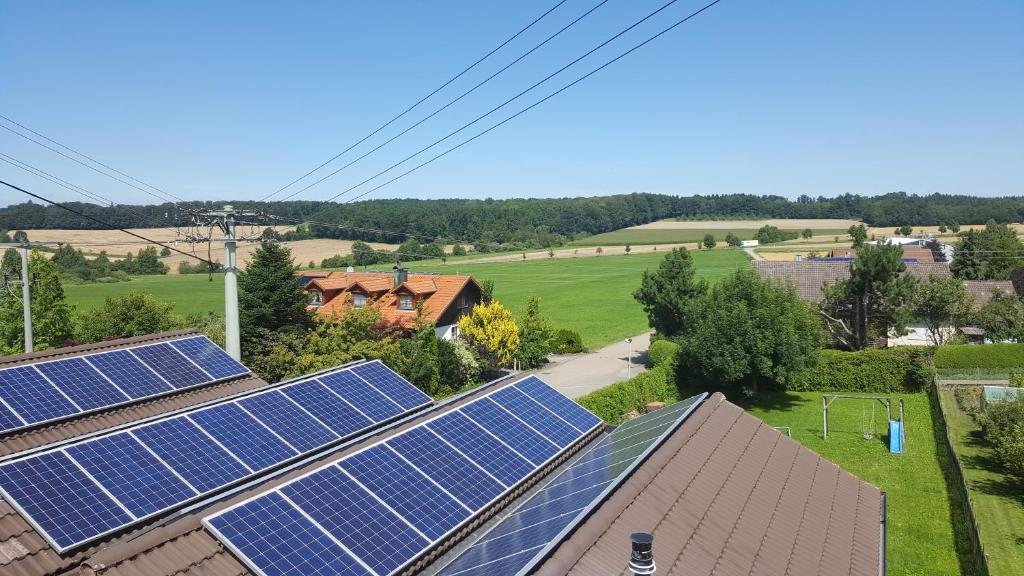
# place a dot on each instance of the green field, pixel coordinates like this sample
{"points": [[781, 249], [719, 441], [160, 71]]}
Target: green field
{"points": [[679, 236], [593, 295], [996, 498], [922, 508]]}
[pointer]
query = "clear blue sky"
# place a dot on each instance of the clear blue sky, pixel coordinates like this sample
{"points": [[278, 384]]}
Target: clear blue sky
{"points": [[215, 100]]}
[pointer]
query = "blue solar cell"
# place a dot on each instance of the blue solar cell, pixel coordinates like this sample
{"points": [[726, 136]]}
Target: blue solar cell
{"points": [[32, 397], [82, 383], [392, 385], [243, 435], [278, 539], [209, 357], [473, 441], [129, 373], [365, 526], [406, 490], [290, 422], [367, 399], [9, 420], [570, 411], [337, 414], [539, 418], [67, 505], [493, 565], [133, 475], [517, 435], [457, 474], [184, 447], [171, 364]]}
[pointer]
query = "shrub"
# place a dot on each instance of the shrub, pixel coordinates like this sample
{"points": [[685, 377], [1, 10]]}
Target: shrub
{"points": [[457, 364], [1003, 425], [566, 341], [662, 352], [613, 402], [969, 398], [980, 356], [904, 369], [1017, 379]]}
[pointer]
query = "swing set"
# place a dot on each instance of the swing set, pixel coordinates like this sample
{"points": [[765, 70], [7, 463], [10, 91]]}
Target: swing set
{"points": [[896, 427]]}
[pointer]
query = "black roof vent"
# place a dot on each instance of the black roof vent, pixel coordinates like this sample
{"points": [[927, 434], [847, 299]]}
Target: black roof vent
{"points": [[641, 560]]}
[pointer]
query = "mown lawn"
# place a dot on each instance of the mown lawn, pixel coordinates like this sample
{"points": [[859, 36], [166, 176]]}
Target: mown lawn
{"points": [[593, 295], [925, 517], [997, 498], [679, 235]]}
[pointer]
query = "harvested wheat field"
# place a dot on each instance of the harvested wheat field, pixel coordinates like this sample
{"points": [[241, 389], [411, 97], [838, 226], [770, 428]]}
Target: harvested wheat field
{"points": [[785, 224], [117, 244]]}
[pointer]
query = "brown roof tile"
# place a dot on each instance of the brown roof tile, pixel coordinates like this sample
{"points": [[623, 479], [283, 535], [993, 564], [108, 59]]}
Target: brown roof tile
{"points": [[808, 276], [982, 290], [727, 494]]}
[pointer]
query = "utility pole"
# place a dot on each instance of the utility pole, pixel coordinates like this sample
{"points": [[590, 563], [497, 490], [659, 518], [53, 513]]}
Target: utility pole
{"points": [[225, 219], [26, 297]]}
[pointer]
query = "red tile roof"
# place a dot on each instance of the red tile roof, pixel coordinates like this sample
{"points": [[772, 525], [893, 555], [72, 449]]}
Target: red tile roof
{"points": [[438, 293]]}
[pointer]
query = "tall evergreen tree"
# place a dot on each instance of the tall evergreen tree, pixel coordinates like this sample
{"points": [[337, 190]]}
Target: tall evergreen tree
{"points": [[269, 296], [667, 293]]}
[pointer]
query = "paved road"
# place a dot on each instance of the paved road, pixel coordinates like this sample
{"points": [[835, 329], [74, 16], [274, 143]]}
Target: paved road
{"points": [[753, 253], [579, 374]]}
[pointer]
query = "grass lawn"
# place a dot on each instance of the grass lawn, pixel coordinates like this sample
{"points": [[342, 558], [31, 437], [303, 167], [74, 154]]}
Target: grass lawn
{"points": [[997, 499], [593, 295], [922, 508], [677, 236]]}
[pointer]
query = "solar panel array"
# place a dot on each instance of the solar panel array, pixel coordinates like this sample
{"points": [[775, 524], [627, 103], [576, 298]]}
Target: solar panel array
{"points": [[85, 490], [514, 545], [375, 511], [32, 394]]}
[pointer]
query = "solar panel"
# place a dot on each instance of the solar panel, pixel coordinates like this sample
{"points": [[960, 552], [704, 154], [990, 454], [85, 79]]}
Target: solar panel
{"points": [[568, 410], [392, 385], [514, 545], [390, 502], [537, 416], [32, 394], [369, 400], [126, 476]]}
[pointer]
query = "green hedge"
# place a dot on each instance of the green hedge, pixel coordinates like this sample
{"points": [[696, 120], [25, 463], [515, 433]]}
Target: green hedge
{"points": [[903, 369], [612, 402], [662, 351], [956, 356]]}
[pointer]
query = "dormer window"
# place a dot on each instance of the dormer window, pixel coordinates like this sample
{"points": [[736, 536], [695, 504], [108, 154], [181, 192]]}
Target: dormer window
{"points": [[358, 299], [405, 301], [318, 298]]}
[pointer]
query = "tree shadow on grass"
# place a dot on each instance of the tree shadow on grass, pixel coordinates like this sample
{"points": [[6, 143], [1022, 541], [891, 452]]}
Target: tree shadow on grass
{"points": [[967, 557], [1006, 487]]}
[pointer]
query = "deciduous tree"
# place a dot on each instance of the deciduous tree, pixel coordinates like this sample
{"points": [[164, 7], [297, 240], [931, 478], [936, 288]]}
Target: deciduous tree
{"points": [[989, 254], [858, 233], [133, 314], [1002, 318], [52, 323], [942, 304]]}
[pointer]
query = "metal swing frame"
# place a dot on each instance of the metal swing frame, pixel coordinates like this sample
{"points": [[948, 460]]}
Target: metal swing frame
{"points": [[828, 399]]}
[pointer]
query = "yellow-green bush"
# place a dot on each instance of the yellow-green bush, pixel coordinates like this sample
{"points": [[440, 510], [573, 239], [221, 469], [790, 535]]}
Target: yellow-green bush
{"points": [[661, 352]]}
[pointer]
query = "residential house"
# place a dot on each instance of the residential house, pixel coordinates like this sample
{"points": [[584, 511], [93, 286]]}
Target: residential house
{"points": [[911, 253], [400, 296], [810, 277], [719, 490]]}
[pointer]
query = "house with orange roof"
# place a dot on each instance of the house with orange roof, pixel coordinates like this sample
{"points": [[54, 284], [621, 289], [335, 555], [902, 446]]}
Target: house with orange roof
{"points": [[400, 296]]}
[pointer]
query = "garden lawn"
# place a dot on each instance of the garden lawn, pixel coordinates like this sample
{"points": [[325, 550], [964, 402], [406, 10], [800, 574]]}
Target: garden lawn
{"points": [[996, 497], [922, 509], [593, 295]]}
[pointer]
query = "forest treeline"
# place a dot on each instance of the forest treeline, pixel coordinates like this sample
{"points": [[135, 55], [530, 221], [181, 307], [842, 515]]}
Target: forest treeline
{"points": [[536, 221]]}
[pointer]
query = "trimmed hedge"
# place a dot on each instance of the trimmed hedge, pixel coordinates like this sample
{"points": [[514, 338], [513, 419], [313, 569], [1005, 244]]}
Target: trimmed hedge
{"points": [[955, 356], [613, 402], [903, 369], [661, 352]]}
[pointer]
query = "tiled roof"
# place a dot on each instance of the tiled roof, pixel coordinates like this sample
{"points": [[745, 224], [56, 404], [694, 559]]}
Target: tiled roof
{"points": [[982, 289], [438, 292], [22, 549], [919, 254], [729, 495], [808, 277]]}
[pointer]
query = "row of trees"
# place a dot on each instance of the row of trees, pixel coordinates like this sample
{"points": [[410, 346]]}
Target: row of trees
{"points": [[539, 223]]}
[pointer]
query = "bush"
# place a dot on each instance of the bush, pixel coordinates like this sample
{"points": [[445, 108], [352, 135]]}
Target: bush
{"points": [[566, 341], [968, 398], [457, 364], [980, 356], [662, 352], [1003, 425], [903, 369], [613, 402]]}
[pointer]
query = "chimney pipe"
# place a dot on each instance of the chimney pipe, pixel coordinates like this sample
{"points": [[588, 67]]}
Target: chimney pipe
{"points": [[401, 274], [641, 559]]}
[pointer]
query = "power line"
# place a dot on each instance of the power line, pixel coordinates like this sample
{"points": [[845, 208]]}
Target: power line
{"points": [[105, 224], [421, 100], [450, 102], [519, 95], [89, 166], [524, 110]]}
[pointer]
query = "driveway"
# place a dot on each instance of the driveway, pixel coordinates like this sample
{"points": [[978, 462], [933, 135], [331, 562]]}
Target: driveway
{"points": [[580, 374]]}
